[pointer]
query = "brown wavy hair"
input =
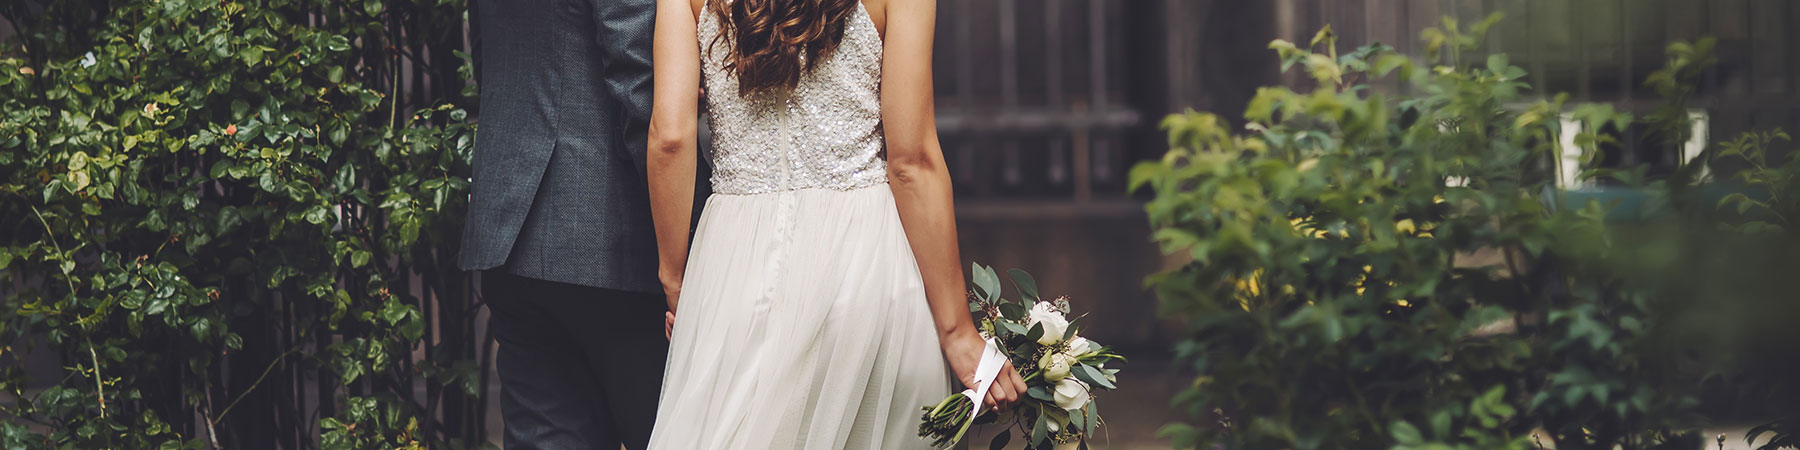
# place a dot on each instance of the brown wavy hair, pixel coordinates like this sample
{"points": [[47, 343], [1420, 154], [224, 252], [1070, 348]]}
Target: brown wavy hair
{"points": [[774, 42]]}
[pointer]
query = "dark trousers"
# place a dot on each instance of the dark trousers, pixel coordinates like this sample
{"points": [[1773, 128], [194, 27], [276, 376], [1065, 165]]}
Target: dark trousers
{"points": [[580, 367]]}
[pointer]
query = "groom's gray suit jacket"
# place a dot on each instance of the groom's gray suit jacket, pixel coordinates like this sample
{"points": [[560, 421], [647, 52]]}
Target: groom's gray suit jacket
{"points": [[559, 188]]}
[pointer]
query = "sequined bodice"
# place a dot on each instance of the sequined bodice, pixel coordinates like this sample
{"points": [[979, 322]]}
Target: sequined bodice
{"points": [[825, 134]]}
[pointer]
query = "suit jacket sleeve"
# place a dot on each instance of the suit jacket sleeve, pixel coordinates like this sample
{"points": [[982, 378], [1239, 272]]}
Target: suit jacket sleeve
{"points": [[624, 30]]}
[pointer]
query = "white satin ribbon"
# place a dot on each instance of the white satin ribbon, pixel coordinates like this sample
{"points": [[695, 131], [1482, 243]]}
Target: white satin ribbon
{"points": [[991, 362]]}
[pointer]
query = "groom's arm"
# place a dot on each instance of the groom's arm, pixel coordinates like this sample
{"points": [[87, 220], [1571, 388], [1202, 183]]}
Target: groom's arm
{"points": [[624, 30]]}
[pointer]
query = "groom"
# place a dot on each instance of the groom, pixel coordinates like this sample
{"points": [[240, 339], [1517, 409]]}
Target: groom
{"points": [[559, 219]]}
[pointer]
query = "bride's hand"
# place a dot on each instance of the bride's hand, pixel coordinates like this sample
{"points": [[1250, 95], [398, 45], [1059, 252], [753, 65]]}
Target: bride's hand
{"points": [[963, 350]]}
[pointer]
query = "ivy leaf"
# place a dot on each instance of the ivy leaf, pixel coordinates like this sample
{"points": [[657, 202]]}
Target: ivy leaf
{"points": [[1406, 433], [338, 134], [412, 328], [317, 214], [267, 183], [251, 55], [221, 169], [79, 179], [201, 328], [340, 43], [51, 188], [393, 311]]}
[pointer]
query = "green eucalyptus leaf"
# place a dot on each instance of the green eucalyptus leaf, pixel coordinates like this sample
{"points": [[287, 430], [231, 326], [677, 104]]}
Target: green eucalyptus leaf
{"points": [[987, 286], [1023, 281], [1092, 376], [1013, 311], [1000, 440]]}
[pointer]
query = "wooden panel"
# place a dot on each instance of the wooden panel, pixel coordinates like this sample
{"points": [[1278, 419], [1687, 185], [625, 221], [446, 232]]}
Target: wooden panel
{"points": [[1098, 260], [1513, 34], [1350, 21], [1602, 25], [1385, 22], [1685, 20], [1555, 23], [1793, 53], [1423, 14], [1729, 19], [1184, 27], [1770, 53]]}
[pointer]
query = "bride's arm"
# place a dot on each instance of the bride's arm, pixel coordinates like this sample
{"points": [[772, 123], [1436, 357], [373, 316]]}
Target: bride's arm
{"points": [[921, 187], [671, 156]]}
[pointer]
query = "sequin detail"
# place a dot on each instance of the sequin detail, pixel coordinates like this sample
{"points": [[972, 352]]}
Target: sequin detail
{"points": [[834, 138]]}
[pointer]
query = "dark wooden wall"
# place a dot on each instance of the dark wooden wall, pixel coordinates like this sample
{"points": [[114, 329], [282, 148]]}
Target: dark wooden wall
{"points": [[1602, 50]]}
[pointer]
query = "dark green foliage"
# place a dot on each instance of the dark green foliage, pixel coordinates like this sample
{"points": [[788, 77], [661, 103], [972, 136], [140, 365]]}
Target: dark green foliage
{"points": [[1397, 267], [235, 223]]}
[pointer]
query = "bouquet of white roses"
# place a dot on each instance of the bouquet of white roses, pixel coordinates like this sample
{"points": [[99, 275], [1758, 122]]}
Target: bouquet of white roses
{"points": [[1062, 370]]}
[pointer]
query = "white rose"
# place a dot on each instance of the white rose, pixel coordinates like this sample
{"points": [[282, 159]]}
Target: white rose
{"points": [[1056, 422], [1056, 366], [1071, 394], [1078, 346], [1054, 323]]}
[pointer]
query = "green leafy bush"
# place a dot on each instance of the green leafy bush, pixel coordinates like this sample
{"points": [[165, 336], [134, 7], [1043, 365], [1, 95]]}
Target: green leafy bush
{"points": [[235, 223], [1366, 269]]}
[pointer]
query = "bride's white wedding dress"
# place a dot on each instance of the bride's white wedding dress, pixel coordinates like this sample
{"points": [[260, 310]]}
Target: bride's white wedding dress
{"points": [[802, 322]]}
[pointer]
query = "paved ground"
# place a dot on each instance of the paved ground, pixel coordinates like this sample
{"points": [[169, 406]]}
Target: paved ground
{"points": [[1133, 413], [1140, 406]]}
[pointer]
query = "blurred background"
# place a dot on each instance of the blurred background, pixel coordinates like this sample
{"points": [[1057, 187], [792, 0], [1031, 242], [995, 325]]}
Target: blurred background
{"points": [[1047, 104], [1044, 107]]}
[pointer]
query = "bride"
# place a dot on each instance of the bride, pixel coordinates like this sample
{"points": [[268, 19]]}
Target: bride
{"points": [[822, 297]]}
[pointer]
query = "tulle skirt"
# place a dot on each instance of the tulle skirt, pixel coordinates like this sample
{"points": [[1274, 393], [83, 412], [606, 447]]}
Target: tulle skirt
{"points": [[802, 324]]}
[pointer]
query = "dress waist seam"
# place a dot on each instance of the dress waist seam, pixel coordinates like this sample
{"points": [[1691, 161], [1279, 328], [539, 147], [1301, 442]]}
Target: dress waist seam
{"points": [[717, 191]]}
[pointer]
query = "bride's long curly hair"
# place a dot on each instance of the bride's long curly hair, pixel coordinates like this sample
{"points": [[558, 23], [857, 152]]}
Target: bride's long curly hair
{"points": [[774, 42]]}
